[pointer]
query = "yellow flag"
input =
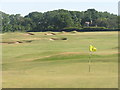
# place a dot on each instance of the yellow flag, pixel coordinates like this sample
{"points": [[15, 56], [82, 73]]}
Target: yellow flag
{"points": [[92, 48]]}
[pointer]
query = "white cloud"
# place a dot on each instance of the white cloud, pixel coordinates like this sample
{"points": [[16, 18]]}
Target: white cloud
{"points": [[22, 1]]}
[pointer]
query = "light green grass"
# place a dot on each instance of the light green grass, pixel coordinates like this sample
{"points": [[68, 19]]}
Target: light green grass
{"points": [[60, 64]]}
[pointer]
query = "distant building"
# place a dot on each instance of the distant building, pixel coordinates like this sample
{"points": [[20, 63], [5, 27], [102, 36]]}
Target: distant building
{"points": [[88, 23]]}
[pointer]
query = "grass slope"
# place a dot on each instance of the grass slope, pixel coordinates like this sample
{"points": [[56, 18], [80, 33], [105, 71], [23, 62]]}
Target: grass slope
{"points": [[43, 63]]}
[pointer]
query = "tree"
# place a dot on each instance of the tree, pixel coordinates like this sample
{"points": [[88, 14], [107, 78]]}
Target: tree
{"points": [[58, 19]]}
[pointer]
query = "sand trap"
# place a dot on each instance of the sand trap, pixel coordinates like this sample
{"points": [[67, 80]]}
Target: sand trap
{"points": [[17, 42], [52, 39], [50, 34], [30, 34]]}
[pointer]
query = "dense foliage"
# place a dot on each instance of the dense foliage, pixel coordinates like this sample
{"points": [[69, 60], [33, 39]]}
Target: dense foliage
{"points": [[58, 20]]}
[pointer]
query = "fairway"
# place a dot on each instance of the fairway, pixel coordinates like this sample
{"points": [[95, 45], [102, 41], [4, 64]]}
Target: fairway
{"points": [[38, 61]]}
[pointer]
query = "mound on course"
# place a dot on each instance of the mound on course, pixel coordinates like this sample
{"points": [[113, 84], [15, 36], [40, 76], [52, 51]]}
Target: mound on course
{"points": [[43, 63]]}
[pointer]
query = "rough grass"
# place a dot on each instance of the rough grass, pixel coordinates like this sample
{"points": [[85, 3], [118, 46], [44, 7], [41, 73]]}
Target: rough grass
{"points": [[60, 64]]}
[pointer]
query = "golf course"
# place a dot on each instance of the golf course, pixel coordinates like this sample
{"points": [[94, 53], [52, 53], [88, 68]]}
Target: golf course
{"points": [[59, 60]]}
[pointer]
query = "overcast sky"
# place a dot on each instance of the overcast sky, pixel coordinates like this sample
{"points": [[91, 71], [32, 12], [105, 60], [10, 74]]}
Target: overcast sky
{"points": [[24, 7]]}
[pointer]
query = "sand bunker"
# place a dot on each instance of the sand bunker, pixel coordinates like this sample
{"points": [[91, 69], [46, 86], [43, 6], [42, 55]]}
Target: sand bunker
{"points": [[50, 34], [17, 42], [52, 39], [30, 34]]}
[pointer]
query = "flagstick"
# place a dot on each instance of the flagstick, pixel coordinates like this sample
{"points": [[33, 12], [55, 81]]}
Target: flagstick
{"points": [[90, 61]]}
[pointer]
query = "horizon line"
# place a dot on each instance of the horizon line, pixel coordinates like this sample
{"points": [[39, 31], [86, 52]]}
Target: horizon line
{"points": [[57, 9]]}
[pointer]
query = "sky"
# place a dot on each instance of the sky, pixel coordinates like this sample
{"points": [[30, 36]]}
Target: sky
{"points": [[24, 7]]}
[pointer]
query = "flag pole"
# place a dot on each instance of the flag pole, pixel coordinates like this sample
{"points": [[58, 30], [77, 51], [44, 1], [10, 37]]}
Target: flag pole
{"points": [[90, 61], [91, 49]]}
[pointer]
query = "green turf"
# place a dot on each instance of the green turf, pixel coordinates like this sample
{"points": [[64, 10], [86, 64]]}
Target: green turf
{"points": [[60, 64]]}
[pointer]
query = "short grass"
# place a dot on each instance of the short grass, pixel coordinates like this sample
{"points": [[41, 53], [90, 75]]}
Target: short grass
{"points": [[60, 64]]}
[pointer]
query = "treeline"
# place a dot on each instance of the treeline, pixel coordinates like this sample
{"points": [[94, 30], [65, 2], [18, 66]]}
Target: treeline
{"points": [[58, 20]]}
